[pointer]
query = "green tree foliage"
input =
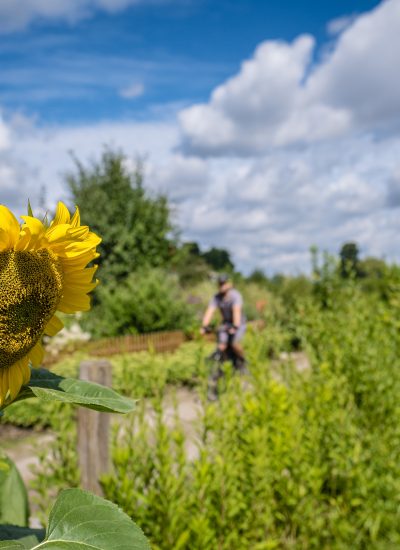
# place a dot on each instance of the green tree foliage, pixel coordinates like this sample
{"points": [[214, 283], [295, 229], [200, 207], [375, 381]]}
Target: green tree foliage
{"points": [[189, 265], [135, 227], [258, 277], [349, 258], [219, 259]]}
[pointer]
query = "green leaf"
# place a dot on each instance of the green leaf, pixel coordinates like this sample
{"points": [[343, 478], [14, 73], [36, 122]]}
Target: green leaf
{"points": [[82, 521], [24, 535], [30, 211], [26, 543], [50, 387], [29, 542], [13, 496], [12, 545]]}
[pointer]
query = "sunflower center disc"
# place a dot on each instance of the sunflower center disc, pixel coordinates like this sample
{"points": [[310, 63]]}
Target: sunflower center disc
{"points": [[30, 290]]}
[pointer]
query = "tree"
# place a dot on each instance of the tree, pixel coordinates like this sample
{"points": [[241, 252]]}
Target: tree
{"points": [[349, 260], [258, 277], [189, 265], [135, 227], [219, 259]]}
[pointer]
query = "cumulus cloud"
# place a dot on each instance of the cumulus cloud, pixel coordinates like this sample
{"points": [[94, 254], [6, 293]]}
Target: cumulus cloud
{"points": [[279, 98], [15, 16], [287, 153], [360, 75], [268, 210], [180, 178], [338, 25], [40, 157]]}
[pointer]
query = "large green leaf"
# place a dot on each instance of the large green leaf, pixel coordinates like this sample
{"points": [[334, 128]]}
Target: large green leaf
{"points": [[13, 496], [51, 387], [26, 543], [82, 521]]}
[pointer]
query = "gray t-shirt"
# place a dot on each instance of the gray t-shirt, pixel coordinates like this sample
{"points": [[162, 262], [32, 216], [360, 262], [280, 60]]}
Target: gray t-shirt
{"points": [[225, 303]]}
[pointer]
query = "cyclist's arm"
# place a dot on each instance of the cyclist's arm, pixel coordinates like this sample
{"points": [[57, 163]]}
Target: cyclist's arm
{"points": [[236, 314], [208, 315]]}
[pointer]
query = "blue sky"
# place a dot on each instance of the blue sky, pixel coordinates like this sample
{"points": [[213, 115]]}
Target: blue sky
{"points": [[172, 52], [271, 126]]}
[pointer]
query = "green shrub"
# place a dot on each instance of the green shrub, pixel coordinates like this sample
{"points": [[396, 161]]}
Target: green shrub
{"points": [[288, 460], [284, 459], [148, 300]]}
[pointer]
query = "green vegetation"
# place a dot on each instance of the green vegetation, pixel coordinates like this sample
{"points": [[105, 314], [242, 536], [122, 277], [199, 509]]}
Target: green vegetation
{"points": [[286, 458]]}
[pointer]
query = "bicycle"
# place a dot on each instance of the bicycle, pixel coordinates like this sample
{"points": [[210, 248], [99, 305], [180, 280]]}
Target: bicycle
{"points": [[216, 362]]}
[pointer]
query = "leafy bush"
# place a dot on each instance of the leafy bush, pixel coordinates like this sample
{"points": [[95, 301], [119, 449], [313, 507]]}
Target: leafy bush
{"points": [[148, 300], [286, 460]]}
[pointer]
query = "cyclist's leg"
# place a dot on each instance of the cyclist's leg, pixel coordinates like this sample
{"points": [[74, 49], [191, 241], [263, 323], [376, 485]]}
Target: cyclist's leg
{"points": [[222, 338], [240, 362], [217, 361]]}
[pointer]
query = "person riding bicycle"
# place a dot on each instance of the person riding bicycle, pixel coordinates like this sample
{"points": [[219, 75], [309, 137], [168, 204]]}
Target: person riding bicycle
{"points": [[229, 301]]}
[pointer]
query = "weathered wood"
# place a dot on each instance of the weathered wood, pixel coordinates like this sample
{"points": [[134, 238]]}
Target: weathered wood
{"points": [[93, 430]]}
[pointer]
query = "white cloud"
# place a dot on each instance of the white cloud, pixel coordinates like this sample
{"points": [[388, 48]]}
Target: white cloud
{"points": [[360, 75], [38, 157], [338, 25], [267, 210], [180, 178], [285, 154], [4, 135], [133, 91], [280, 99], [16, 15]]}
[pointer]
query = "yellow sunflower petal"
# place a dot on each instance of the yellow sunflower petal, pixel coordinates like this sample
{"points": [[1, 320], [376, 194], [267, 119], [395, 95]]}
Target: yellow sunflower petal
{"points": [[53, 326], [57, 233], [68, 248], [81, 276], [79, 288], [62, 215], [34, 225], [36, 354], [26, 371], [9, 229], [74, 302], [3, 385], [79, 233], [78, 261], [11, 380], [36, 230], [76, 218], [15, 380], [24, 239]]}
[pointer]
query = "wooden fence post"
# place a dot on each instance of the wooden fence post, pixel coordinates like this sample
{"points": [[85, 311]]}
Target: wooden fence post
{"points": [[93, 430]]}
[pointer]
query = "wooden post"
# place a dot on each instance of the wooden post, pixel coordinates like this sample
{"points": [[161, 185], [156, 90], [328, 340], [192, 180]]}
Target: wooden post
{"points": [[93, 430]]}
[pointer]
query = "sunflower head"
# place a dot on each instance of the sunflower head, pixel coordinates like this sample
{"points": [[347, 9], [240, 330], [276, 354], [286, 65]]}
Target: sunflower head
{"points": [[42, 271]]}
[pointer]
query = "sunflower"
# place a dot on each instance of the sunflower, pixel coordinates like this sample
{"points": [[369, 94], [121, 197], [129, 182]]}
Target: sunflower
{"points": [[42, 271]]}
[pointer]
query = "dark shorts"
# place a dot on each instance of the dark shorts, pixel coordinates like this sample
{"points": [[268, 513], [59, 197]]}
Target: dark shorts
{"points": [[223, 336]]}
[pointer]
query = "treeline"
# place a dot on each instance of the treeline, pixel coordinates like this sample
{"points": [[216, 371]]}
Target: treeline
{"points": [[151, 280]]}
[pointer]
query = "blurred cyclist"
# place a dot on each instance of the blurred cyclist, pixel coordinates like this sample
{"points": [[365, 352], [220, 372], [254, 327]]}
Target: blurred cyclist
{"points": [[229, 301]]}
